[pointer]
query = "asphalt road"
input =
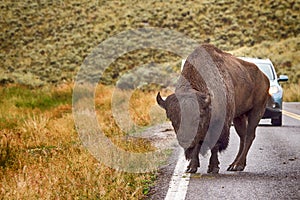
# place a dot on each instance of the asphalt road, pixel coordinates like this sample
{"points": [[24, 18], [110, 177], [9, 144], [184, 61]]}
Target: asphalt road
{"points": [[272, 171]]}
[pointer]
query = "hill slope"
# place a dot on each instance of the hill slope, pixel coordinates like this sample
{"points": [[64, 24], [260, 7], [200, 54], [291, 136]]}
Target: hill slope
{"points": [[44, 42]]}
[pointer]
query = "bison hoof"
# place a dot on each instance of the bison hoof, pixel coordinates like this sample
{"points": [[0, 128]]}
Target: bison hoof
{"points": [[213, 170], [191, 170], [235, 168]]}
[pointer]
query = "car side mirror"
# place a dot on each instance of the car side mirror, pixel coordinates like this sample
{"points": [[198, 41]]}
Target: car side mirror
{"points": [[283, 78]]}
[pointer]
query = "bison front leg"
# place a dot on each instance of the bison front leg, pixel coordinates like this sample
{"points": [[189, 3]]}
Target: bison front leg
{"points": [[213, 166], [192, 154]]}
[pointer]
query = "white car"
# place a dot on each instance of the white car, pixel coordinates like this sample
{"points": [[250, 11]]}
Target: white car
{"points": [[274, 110]]}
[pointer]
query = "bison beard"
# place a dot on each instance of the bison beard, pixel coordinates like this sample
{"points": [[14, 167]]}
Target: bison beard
{"points": [[189, 108]]}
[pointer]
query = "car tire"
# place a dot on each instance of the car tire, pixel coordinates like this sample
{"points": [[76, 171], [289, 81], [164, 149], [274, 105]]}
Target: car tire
{"points": [[277, 121]]}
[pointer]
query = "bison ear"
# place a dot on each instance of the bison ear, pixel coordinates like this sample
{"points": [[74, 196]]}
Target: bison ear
{"points": [[160, 101]]}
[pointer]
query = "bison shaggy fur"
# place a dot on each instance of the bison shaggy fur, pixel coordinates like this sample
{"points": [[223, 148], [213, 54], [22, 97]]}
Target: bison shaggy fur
{"points": [[190, 107]]}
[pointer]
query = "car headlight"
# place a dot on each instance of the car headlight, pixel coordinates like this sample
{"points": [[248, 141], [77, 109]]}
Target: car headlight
{"points": [[273, 89]]}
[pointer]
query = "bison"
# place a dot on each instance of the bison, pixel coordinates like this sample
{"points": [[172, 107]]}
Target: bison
{"points": [[190, 108]]}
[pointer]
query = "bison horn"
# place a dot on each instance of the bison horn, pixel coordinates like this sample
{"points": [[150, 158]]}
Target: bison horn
{"points": [[207, 100], [160, 101]]}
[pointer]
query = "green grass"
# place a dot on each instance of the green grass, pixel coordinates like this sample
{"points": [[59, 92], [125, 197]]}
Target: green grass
{"points": [[35, 98], [41, 155]]}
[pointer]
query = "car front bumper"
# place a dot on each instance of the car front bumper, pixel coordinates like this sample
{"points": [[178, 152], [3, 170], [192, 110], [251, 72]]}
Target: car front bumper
{"points": [[272, 113]]}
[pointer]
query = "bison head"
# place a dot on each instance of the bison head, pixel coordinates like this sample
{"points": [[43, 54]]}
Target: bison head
{"points": [[189, 113]]}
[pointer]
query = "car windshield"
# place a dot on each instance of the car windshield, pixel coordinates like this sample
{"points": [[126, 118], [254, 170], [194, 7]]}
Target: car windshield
{"points": [[266, 69]]}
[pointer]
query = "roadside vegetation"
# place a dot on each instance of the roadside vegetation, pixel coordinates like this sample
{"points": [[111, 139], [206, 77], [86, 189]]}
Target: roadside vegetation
{"points": [[41, 155]]}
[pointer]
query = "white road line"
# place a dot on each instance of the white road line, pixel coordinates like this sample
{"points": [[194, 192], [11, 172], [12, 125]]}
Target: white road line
{"points": [[178, 185]]}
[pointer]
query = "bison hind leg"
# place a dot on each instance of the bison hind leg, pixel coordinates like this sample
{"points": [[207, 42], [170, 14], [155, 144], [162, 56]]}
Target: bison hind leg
{"points": [[213, 166]]}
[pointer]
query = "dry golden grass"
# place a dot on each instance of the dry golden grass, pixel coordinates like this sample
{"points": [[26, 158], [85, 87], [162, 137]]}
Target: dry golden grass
{"points": [[142, 113], [292, 93], [42, 156]]}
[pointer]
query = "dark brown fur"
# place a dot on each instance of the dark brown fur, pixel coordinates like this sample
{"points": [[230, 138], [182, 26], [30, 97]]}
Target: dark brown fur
{"points": [[246, 89]]}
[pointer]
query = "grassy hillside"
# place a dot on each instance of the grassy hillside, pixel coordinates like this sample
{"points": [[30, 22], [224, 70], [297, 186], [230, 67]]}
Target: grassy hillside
{"points": [[45, 42]]}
